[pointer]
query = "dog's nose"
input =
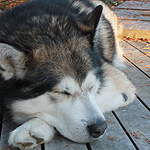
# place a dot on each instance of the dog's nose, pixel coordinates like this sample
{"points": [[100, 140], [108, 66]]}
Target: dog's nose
{"points": [[97, 129]]}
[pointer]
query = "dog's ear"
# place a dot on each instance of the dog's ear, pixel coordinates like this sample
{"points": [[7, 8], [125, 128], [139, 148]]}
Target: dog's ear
{"points": [[12, 62], [89, 23]]}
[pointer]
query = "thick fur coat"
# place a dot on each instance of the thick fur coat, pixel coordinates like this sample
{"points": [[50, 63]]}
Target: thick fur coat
{"points": [[58, 70]]}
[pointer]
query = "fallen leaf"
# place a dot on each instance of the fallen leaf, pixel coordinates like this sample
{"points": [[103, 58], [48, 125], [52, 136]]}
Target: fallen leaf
{"points": [[111, 138], [109, 121]]}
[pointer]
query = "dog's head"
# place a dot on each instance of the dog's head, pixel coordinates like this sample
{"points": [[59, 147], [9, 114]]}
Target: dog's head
{"points": [[54, 73], [49, 69]]}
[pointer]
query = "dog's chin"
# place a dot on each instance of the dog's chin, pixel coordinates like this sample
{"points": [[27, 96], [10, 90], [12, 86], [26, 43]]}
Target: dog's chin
{"points": [[83, 140], [79, 138]]}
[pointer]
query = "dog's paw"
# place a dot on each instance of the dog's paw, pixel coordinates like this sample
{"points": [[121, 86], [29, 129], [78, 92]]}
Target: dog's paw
{"points": [[30, 134]]}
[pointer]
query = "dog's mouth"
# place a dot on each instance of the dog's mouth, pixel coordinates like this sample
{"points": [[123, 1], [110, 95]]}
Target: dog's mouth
{"points": [[91, 133]]}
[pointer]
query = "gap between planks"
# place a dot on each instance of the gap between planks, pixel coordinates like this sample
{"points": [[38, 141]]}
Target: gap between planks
{"points": [[132, 119], [136, 66], [136, 48], [125, 130], [140, 81], [143, 94], [142, 102], [132, 55]]}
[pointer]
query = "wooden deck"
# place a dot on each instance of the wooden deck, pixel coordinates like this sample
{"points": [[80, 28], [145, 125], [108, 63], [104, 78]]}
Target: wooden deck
{"points": [[128, 127], [135, 17]]}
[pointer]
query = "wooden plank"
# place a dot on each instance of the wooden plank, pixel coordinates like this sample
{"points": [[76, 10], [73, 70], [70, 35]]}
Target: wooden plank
{"points": [[134, 5], [141, 82], [141, 46], [121, 141], [135, 18], [136, 29], [133, 15], [7, 127], [61, 143], [131, 118], [135, 25], [136, 57]]}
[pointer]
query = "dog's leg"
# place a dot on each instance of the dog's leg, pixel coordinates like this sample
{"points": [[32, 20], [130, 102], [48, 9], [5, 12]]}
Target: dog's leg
{"points": [[30, 134]]}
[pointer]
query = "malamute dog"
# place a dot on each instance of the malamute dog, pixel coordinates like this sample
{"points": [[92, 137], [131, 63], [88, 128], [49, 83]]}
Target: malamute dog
{"points": [[58, 70]]}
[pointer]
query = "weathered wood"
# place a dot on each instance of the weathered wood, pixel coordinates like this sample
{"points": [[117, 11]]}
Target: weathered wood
{"points": [[133, 5], [121, 141], [132, 13], [131, 118], [61, 143], [135, 15], [7, 127], [136, 57], [141, 82], [136, 29], [141, 46]]}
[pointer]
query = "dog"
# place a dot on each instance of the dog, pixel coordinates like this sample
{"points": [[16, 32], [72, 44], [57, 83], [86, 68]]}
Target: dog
{"points": [[58, 70]]}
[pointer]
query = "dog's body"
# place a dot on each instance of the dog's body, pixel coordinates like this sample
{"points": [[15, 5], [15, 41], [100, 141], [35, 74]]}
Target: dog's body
{"points": [[56, 65]]}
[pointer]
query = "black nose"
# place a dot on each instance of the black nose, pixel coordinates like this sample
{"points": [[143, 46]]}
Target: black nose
{"points": [[97, 129]]}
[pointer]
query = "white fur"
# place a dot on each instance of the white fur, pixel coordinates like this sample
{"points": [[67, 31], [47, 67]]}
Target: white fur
{"points": [[11, 61], [116, 83], [28, 133], [91, 82], [67, 84], [70, 115]]}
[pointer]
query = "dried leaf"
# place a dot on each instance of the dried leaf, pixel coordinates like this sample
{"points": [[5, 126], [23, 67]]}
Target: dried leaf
{"points": [[146, 48], [5, 147], [126, 132], [111, 138], [147, 140], [109, 121]]}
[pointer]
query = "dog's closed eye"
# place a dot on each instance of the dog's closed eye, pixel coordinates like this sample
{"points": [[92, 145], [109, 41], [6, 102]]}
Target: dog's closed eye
{"points": [[63, 92]]}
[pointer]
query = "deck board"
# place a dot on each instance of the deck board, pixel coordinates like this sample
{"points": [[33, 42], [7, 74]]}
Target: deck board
{"points": [[6, 128], [141, 46], [61, 143], [131, 118], [133, 15], [121, 141], [141, 82], [137, 58], [134, 5], [135, 18], [136, 29]]}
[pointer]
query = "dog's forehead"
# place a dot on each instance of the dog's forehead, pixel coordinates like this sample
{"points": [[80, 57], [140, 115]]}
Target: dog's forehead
{"points": [[70, 84], [90, 80]]}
